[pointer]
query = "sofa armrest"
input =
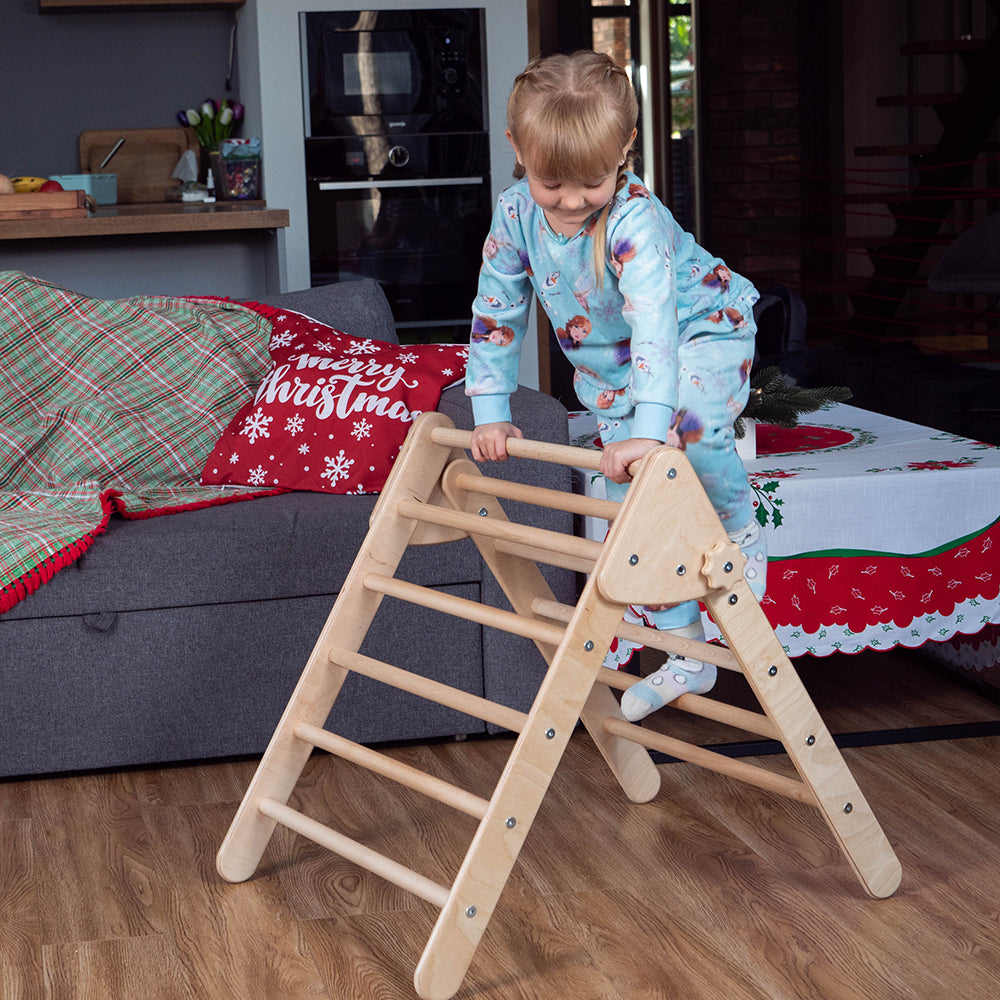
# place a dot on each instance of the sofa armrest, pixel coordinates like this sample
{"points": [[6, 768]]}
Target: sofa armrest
{"points": [[358, 308]]}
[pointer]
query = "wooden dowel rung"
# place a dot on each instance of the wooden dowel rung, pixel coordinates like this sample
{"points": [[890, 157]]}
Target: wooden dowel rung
{"points": [[706, 708], [542, 451], [378, 864], [710, 760], [460, 607], [574, 503], [547, 556], [403, 774], [424, 687], [473, 524], [666, 642]]}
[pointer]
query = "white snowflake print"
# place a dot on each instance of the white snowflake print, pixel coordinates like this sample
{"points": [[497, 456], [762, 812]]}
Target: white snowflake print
{"points": [[362, 429], [338, 467], [255, 425], [362, 347], [294, 424], [406, 359], [446, 371], [324, 345], [282, 339], [256, 476], [303, 449], [234, 458]]}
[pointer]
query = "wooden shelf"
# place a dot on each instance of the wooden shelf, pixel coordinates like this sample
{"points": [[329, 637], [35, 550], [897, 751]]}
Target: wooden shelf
{"points": [[68, 6], [166, 217]]}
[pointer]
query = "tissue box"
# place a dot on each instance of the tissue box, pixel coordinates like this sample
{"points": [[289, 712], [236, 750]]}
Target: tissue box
{"points": [[104, 187]]}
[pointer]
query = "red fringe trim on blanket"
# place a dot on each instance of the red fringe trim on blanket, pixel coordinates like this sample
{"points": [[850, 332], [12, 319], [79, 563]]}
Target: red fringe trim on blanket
{"points": [[111, 503], [138, 515], [18, 589]]}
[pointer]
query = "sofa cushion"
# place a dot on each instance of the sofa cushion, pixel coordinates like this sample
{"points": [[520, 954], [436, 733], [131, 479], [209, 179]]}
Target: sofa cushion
{"points": [[288, 545]]}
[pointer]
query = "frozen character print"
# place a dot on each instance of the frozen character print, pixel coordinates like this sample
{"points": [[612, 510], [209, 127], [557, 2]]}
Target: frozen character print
{"points": [[485, 330], [685, 428], [736, 318], [718, 278], [642, 364], [551, 280], [637, 191], [582, 295], [574, 333], [621, 253], [623, 352], [606, 398], [584, 370]]}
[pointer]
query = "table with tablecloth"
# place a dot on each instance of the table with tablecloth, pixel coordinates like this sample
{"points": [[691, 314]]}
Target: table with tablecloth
{"points": [[880, 532]]}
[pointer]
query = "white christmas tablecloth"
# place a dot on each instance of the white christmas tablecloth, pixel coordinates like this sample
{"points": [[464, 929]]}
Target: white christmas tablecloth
{"points": [[880, 532]]}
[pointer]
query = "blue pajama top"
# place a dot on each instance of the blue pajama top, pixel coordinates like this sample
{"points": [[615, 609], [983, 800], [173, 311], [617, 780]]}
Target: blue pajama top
{"points": [[660, 290]]}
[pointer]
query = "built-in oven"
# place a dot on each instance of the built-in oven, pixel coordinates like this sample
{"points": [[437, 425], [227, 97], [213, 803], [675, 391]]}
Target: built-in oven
{"points": [[410, 211], [397, 158]]}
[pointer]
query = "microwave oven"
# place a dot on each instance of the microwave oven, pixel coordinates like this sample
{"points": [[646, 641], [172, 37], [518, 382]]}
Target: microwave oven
{"points": [[371, 72]]}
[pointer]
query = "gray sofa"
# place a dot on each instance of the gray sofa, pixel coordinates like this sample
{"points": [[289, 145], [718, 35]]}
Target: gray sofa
{"points": [[180, 637]]}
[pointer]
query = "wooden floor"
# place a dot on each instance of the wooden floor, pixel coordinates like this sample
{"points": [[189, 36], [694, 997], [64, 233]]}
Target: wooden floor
{"points": [[714, 891]]}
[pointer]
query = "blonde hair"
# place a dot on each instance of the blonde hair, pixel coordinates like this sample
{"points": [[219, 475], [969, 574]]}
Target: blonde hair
{"points": [[574, 115]]}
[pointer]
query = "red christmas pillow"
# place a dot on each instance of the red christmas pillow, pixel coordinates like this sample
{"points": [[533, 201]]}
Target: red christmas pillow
{"points": [[332, 411]]}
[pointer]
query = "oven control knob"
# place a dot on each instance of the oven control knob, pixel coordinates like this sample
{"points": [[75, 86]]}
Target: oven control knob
{"points": [[399, 156]]}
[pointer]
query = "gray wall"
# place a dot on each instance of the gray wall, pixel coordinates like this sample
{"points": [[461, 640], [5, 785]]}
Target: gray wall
{"points": [[63, 73]]}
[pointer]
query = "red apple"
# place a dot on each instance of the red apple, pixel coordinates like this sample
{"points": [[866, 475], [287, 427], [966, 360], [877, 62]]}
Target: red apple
{"points": [[51, 186]]}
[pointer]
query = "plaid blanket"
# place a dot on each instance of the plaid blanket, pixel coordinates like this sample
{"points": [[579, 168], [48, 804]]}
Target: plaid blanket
{"points": [[110, 407]]}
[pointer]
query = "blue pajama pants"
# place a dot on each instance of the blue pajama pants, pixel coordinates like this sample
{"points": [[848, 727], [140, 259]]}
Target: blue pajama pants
{"points": [[713, 386]]}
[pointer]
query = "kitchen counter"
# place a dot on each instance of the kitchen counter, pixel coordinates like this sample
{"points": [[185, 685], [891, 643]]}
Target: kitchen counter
{"points": [[163, 217], [168, 248]]}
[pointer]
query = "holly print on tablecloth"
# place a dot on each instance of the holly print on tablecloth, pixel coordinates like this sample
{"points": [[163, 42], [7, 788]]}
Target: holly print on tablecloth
{"points": [[765, 485]]}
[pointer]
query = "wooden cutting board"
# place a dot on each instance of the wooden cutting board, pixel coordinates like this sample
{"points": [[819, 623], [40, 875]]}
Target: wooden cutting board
{"points": [[143, 164], [43, 205]]}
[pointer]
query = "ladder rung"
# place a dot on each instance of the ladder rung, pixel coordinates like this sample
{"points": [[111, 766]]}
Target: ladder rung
{"points": [[424, 687], [461, 607], [542, 451], [575, 503], [379, 864], [404, 774], [712, 761], [655, 639], [550, 558], [553, 541], [706, 708]]}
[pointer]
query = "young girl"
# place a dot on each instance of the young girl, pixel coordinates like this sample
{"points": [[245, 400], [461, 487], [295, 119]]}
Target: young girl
{"points": [[660, 332]]}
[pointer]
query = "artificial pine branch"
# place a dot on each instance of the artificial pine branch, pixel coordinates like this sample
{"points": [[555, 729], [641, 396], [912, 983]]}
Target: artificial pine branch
{"points": [[773, 400]]}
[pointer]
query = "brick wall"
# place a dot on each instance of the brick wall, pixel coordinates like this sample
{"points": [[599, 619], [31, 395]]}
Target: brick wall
{"points": [[749, 54]]}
